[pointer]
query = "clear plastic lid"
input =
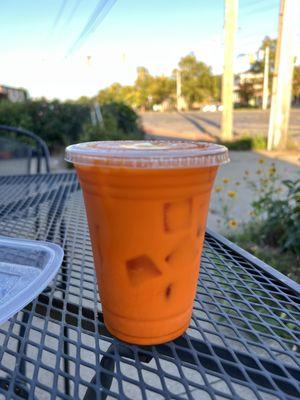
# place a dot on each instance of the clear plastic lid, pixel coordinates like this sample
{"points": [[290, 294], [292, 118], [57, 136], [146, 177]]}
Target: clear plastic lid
{"points": [[26, 268], [148, 154]]}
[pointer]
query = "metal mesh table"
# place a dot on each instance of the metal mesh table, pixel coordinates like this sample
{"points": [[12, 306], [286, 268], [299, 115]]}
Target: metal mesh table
{"points": [[243, 341]]}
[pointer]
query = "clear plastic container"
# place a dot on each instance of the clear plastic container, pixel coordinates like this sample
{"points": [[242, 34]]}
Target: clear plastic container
{"points": [[26, 268], [146, 204], [148, 154]]}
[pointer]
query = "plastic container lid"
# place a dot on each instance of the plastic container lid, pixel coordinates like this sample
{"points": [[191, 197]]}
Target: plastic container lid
{"points": [[148, 154], [26, 268]]}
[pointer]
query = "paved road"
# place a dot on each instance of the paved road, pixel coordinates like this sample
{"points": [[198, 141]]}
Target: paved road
{"points": [[206, 126]]}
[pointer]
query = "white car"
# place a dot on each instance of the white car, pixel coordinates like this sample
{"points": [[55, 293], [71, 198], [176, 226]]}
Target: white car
{"points": [[209, 108], [212, 108], [157, 107]]}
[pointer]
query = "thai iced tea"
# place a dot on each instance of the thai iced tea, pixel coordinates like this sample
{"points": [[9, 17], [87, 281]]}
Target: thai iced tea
{"points": [[146, 205]]}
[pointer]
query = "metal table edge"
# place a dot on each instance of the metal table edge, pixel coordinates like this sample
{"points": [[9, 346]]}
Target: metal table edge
{"points": [[58, 172], [256, 261]]}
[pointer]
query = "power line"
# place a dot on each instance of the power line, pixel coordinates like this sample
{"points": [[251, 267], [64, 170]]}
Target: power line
{"points": [[104, 8], [245, 11], [252, 3], [97, 16], [110, 4], [59, 14], [72, 13], [262, 10], [254, 35], [88, 28]]}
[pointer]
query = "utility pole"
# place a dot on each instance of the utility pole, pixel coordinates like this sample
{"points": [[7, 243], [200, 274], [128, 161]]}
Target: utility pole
{"points": [[266, 79], [231, 9], [283, 75], [274, 82], [178, 89]]}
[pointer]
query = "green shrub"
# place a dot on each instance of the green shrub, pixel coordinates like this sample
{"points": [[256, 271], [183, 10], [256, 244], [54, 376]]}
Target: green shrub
{"points": [[274, 231], [244, 143], [92, 133], [279, 218], [125, 117], [259, 142], [120, 122], [59, 124], [63, 123], [286, 262], [238, 106]]}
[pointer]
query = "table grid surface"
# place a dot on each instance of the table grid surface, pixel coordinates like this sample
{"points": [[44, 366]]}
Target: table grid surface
{"points": [[243, 341]]}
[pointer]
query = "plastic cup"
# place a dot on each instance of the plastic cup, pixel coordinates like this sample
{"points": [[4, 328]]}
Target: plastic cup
{"points": [[147, 204]]}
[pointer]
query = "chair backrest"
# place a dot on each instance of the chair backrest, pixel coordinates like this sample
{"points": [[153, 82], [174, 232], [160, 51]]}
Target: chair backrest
{"points": [[22, 151]]}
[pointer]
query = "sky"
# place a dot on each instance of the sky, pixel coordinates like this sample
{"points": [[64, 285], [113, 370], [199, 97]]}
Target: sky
{"points": [[37, 47]]}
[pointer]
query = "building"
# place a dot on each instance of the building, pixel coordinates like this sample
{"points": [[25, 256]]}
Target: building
{"points": [[248, 88], [12, 94]]}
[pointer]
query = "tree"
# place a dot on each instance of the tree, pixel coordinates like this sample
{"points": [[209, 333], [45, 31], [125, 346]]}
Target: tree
{"points": [[197, 80], [161, 88], [258, 68], [246, 92], [216, 87], [142, 84], [146, 91], [198, 84], [258, 65], [83, 100], [296, 81], [112, 93]]}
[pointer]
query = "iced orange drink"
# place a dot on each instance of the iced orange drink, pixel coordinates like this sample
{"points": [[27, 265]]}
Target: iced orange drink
{"points": [[146, 204]]}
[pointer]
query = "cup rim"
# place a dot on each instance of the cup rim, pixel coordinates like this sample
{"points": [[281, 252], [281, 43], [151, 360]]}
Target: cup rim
{"points": [[150, 154]]}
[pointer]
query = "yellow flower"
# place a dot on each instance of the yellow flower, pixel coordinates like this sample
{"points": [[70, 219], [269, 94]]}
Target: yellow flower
{"points": [[272, 170], [247, 173], [264, 181], [218, 189], [258, 172], [226, 180], [261, 161], [279, 190], [231, 194], [232, 223], [237, 183], [252, 213]]}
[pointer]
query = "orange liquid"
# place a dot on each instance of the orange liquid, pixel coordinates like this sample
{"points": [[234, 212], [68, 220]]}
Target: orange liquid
{"points": [[147, 228]]}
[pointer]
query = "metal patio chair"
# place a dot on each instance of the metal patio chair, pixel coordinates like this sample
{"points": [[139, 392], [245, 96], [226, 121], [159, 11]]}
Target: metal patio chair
{"points": [[22, 152]]}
